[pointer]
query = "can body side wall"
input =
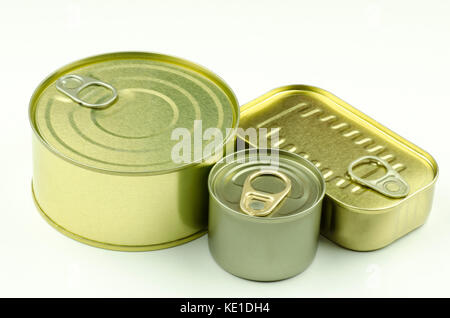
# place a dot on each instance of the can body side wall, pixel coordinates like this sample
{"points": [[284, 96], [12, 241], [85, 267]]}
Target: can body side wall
{"points": [[120, 210], [363, 231], [262, 251]]}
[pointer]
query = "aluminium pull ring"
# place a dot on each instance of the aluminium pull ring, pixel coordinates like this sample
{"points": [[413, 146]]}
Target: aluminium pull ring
{"points": [[71, 85], [391, 184], [267, 201]]}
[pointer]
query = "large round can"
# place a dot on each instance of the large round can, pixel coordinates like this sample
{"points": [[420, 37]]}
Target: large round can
{"points": [[264, 213], [106, 129]]}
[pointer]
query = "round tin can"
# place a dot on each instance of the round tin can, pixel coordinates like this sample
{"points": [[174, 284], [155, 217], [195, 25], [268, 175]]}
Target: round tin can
{"points": [[264, 213], [103, 142]]}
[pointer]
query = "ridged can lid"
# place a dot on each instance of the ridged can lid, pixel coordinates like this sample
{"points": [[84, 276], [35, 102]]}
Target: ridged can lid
{"points": [[116, 112], [266, 183]]}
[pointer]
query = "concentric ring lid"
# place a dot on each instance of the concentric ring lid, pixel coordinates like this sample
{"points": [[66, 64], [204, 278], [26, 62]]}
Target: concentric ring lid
{"points": [[118, 112], [268, 184]]}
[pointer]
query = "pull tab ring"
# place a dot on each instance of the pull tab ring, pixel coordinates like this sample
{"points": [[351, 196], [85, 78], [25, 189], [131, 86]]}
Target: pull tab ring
{"points": [[267, 201], [391, 184], [72, 84]]}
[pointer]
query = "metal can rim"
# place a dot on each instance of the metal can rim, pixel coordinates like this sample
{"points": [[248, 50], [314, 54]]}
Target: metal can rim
{"points": [[124, 54], [432, 161], [301, 214]]}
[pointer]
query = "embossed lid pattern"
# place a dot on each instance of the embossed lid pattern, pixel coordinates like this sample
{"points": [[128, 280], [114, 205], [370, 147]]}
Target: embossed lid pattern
{"points": [[307, 185], [156, 94], [325, 130]]}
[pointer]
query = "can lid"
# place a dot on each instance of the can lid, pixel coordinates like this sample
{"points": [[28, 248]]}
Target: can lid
{"points": [[117, 112], [366, 166], [266, 183]]}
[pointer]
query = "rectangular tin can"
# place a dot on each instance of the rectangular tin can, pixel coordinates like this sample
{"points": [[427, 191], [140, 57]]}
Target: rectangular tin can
{"points": [[379, 185], [101, 157]]}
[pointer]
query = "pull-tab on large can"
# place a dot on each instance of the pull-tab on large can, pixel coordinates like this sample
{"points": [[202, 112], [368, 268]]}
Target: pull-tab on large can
{"points": [[104, 171], [264, 213]]}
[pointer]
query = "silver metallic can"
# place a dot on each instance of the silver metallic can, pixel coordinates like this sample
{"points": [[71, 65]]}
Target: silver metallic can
{"points": [[264, 213]]}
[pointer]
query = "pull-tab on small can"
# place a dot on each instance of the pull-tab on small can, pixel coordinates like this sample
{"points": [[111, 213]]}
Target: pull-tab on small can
{"points": [[391, 184], [72, 84], [258, 203]]}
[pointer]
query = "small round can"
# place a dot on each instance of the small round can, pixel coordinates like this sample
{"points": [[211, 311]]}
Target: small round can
{"points": [[103, 165], [264, 213]]}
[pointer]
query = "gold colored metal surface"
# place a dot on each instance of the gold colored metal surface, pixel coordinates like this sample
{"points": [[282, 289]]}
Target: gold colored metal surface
{"points": [[156, 94], [324, 129], [259, 203], [105, 176], [116, 247]]}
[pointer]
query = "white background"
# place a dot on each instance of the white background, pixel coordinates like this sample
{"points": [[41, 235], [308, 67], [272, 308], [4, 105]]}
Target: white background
{"points": [[389, 59]]}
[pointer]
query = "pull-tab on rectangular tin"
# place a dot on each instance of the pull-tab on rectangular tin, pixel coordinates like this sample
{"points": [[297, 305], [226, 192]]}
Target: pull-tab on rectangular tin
{"points": [[379, 185]]}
